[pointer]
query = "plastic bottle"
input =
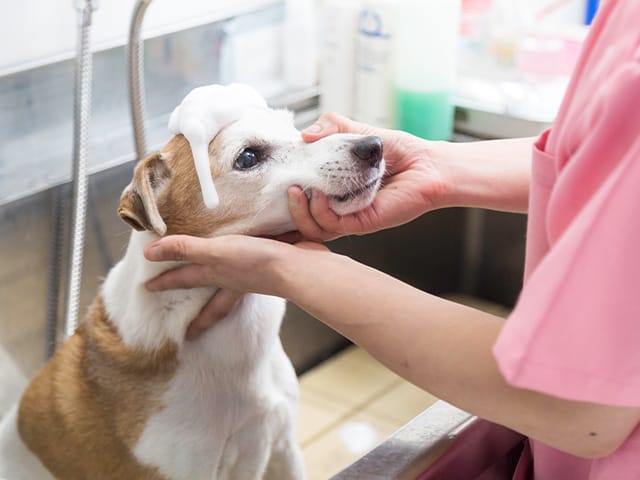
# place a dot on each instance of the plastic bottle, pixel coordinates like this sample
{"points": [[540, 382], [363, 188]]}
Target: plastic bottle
{"points": [[339, 25], [300, 44], [425, 66], [592, 9], [374, 63]]}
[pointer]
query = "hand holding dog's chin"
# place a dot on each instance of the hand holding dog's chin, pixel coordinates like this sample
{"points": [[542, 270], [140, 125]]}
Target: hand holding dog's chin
{"points": [[403, 198], [413, 185]]}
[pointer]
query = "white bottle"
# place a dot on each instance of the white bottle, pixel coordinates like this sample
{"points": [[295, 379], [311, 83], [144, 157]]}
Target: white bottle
{"points": [[426, 44], [374, 63], [339, 26], [300, 44]]}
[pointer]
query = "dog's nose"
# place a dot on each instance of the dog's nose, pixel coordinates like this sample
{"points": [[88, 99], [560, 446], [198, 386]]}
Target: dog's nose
{"points": [[369, 150]]}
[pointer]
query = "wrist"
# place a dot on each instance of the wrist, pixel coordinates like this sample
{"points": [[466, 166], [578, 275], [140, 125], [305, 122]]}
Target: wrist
{"points": [[485, 174], [297, 269], [459, 184]]}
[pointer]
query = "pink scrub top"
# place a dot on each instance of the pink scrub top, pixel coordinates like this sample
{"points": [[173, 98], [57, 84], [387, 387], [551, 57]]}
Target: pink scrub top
{"points": [[575, 331]]}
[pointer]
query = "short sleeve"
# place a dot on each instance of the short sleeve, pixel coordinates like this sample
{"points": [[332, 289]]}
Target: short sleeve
{"points": [[575, 330]]}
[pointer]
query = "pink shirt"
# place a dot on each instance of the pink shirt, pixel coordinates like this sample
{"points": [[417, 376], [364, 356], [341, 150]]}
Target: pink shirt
{"points": [[575, 331]]}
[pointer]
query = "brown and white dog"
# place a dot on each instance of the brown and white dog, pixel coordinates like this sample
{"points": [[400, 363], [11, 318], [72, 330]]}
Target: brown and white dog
{"points": [[126, 397]]}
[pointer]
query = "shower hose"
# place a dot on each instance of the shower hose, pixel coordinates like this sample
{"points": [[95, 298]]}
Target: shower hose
{"points": [[81, 113], [136, 78]]}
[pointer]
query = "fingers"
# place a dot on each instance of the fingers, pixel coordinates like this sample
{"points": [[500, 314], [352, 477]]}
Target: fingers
{"points": [[313, 246], [289, 237], [326, 218], [188, 276], [179, 248], [305, 219], [330, 123], [223, 302]]}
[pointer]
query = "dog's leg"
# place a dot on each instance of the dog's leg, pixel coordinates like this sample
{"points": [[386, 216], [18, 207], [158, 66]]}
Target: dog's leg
{"points": [[16, 461], [254, 443], [286, 461]]}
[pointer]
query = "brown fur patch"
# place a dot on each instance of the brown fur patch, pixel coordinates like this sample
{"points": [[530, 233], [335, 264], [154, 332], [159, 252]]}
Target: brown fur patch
{"points": [[181, 207], [139, 202], [87, 407], [84, 411]]}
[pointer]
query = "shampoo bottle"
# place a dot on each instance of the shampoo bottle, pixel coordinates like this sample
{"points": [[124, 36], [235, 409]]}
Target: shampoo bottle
{"points": [[374, 63], [425, 66]]}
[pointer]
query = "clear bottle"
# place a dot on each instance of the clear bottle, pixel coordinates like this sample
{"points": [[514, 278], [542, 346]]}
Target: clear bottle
{"points": [[425, 66], [374, 63]]}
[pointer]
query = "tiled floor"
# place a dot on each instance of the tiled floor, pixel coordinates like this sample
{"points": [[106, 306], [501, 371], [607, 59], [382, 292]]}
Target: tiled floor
{"points": [[351, 403], [348, 405]]}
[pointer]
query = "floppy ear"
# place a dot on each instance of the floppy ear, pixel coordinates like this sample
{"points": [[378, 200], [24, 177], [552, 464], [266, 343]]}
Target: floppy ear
{"points": [[139, 201]]}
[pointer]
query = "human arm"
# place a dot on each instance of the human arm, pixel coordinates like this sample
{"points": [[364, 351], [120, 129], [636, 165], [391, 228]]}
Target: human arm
{"points": [[440, 346], [421, 176]]}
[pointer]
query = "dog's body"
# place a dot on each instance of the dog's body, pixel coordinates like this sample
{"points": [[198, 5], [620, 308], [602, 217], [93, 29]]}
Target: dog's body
{"points": [[126, 397]]}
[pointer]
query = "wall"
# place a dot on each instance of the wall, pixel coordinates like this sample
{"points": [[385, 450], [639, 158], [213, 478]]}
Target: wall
{"points": [[44, 31], [36, 105]]}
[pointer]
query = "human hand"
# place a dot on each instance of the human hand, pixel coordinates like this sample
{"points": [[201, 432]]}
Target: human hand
{"points": [[411, 187], [219, 306], [235, 263]]}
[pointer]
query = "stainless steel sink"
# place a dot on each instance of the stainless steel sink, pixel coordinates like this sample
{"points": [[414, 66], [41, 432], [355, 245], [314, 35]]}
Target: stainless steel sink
{"points": [[425, 253], [442, 443]]}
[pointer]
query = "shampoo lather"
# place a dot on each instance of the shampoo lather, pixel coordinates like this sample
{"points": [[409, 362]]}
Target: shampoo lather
{"points": [[425, 66]]}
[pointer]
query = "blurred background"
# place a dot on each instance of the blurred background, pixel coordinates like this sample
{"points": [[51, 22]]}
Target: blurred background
{"points": [[441, 69]]}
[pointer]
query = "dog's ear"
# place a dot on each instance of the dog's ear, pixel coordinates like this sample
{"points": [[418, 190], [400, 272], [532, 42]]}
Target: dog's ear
{"points": [[139, 201]]}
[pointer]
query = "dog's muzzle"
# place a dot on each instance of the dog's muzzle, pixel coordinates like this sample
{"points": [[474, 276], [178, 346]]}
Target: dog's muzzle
{"points": [[368, 150]]}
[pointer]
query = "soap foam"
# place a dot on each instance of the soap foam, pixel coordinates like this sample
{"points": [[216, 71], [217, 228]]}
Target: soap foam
{"points": [[201, 115]]}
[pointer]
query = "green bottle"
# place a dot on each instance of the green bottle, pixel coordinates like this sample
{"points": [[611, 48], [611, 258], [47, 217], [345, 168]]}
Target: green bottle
{"points": [[425, 54], [425, 114]]}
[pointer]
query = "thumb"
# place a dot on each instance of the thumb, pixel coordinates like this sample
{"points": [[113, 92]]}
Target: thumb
{"points": [[310, 245], [331, 123]]}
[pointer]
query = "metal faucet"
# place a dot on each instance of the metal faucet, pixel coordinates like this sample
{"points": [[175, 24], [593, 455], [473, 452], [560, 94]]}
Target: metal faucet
{"points": [[135, 58]]}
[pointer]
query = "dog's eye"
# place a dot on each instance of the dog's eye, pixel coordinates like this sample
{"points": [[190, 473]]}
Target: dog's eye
{"points": [[247, 159]]}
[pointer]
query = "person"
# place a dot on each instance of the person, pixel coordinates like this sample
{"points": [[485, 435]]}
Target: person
{"points": [[564, 368]]}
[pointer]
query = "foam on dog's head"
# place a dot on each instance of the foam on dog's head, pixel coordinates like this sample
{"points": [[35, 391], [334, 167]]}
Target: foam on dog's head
{"points": [[201, 115]]}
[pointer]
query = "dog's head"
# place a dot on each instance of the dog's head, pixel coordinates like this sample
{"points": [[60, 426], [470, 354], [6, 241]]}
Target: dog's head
{"points": [[253, 162]]}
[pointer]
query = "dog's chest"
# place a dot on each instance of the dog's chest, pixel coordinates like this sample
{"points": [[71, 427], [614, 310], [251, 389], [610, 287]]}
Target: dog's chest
{"points": [[236, 377]]}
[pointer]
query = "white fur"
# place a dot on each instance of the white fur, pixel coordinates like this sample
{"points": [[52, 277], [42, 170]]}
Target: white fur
{"points": [[16, 461], [232, 403], [230, 409], [201, 115], [325, 165], [12, 382]]}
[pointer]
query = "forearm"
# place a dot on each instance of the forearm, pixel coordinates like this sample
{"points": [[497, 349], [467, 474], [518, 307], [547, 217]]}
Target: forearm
{"points": [[443, 347], [491, 174]]}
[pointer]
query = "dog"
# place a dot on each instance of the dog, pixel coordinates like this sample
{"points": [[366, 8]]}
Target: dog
{"points": [[126, 397]]}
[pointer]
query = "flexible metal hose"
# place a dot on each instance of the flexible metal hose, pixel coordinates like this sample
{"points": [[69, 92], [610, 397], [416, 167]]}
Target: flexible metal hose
{"points": [[56, 257], [81, 114], [135, 53]]}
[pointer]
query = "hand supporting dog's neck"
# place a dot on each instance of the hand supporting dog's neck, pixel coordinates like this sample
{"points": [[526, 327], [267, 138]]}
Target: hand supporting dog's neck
{"points": [[146, 319]]}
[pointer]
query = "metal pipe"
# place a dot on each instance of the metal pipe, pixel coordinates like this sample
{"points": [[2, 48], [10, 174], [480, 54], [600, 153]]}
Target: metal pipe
{"points": [[81, 114], [135, 60], [56, 260]]}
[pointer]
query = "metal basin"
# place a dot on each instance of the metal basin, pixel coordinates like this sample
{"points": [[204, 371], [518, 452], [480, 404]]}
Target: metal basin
{"points": [[442, 443]]}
